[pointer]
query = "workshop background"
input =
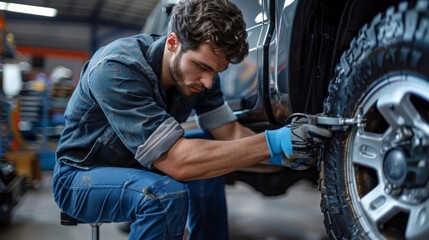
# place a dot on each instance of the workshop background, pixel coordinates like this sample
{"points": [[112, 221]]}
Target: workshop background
{"points": [[41, 58]]}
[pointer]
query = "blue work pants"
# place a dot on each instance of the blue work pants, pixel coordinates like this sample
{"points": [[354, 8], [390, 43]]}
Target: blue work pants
{"points": [[207, 217], [156, 205]]}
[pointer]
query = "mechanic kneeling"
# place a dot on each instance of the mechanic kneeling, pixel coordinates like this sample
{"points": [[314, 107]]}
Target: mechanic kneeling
{"points": [[122, 155]]}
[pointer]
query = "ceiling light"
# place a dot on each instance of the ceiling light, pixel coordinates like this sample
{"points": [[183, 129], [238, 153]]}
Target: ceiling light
{"points": [[28, 9]]}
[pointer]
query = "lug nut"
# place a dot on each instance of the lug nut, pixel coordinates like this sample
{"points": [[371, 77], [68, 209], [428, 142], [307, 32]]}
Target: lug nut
{"points": [[388, 188]]}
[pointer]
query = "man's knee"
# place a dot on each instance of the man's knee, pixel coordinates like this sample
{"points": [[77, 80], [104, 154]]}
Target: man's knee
{"points": [[170, 193], [168, 199]]}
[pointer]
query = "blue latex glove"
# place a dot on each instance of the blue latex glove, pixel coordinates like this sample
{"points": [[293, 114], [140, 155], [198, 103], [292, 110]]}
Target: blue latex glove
{"points": [[279, 141], [296, 144]]}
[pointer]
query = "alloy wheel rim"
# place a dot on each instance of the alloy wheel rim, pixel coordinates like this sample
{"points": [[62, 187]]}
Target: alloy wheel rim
{"points": [[378, 199]]}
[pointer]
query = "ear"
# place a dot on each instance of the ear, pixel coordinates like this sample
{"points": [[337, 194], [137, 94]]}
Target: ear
{"points": [[173, 42]]}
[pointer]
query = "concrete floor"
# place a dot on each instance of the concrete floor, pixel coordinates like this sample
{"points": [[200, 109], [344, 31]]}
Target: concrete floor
{"points": [[294, 216]]}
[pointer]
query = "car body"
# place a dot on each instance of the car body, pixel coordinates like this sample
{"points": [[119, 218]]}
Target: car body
{"points": [[352, 59]]}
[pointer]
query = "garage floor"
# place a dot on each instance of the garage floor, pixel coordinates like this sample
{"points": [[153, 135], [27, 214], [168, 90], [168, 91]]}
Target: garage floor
{"points": [[295, 216]]}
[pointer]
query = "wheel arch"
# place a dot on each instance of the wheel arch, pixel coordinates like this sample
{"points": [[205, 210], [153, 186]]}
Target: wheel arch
{"points": [[322, 31]]}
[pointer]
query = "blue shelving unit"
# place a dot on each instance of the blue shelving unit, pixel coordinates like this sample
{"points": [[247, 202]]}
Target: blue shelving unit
{"points": [[34, 110], [46, 153]]}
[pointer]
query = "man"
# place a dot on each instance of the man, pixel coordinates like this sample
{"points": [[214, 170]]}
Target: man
{"points": [[122, 155]]}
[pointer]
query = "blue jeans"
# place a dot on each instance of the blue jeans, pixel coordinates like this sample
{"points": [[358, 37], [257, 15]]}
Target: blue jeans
{"points": [[142, 197], [156, 205], [207, 217]]}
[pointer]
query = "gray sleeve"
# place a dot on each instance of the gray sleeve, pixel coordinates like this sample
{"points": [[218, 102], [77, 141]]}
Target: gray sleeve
{"points": [[216, 117], [161, 140]]}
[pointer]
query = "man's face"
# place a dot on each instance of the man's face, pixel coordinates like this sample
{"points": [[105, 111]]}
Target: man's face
{"points": [[193, 71]]}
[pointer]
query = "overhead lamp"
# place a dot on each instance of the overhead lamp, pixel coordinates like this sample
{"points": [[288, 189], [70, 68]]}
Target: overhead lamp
{"points": [[28, 9]]}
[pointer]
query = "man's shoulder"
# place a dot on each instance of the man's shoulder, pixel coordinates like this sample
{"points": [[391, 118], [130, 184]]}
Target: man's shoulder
{"points": [[131, 53], [133, 46], [140, 39]]}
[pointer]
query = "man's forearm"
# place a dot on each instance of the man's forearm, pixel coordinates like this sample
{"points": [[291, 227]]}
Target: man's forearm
{"points": [[191, 159]]}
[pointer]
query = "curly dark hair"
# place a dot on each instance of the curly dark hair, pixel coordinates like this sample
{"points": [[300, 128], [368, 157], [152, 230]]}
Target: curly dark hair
{"points": [[219, 22]]}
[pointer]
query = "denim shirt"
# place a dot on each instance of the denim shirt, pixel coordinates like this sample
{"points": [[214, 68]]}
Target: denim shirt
{"points": [[118, 113]]}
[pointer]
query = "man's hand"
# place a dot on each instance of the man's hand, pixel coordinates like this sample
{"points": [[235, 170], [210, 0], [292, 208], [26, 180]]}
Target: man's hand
{"points": [[296, 145]]}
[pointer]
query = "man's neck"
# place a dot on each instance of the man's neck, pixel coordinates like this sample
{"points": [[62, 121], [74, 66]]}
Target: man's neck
{"points": [[166, 81]]}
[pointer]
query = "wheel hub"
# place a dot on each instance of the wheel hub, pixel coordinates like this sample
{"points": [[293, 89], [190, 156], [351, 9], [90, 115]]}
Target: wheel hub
{"points": [[395, 167], [406, 168]]}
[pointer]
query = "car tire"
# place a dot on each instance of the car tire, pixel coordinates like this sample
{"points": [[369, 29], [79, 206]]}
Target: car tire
{"points": [[373, 184]]}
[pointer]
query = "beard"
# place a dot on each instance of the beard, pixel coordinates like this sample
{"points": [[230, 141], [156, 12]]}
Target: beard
{"points": [[177, 75], [178, 78]]}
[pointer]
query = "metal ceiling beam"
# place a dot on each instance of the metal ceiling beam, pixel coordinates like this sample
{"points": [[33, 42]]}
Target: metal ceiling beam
{"points": [[97, 9], [94, 25]]}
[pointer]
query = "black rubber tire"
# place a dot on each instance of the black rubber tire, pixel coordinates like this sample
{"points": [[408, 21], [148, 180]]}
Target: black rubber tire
{"points": [[396, 42]]}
